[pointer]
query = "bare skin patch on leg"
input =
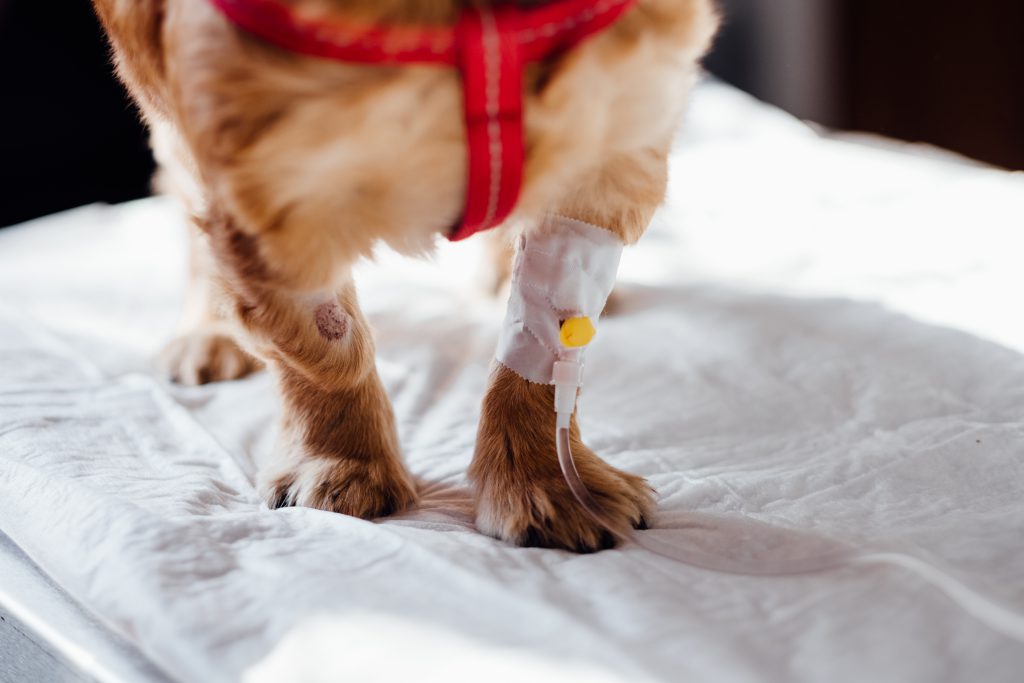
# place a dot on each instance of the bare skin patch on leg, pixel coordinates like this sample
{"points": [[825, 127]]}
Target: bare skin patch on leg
{"points": [[331, 321]]}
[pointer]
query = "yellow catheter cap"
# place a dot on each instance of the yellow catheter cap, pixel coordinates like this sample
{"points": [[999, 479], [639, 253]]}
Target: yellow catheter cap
{"points": [[577, 332]]}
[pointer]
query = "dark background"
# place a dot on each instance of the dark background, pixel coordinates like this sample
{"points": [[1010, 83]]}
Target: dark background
{"points": [[947, 72], [944, 72], [68, 133]]}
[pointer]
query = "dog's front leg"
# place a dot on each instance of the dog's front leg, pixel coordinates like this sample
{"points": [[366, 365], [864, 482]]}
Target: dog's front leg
{"points": [[563, 275], [338, 449], [520, 491]]}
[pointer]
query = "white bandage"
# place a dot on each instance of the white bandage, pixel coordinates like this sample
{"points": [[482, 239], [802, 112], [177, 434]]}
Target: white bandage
{"points": [[563, 269]]}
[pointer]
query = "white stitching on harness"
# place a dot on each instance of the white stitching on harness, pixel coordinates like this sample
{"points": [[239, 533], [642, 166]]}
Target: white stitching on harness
{"points": [[492, 83], [554, 28], [439, 44]]}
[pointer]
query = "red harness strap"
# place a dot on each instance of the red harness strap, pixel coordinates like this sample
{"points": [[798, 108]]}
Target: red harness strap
{"points": [[490, 46]]}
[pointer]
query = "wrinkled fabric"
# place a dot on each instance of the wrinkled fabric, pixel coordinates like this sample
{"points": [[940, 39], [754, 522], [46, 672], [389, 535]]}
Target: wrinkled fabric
{"points": [[818, 346]]}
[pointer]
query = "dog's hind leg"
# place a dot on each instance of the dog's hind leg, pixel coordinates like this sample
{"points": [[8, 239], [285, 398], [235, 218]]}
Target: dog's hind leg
{"points": [[205, 348]]}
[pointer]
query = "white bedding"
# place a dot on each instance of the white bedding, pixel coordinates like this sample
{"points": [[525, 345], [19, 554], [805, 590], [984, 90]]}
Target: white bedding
{"points": [[818, 336]]}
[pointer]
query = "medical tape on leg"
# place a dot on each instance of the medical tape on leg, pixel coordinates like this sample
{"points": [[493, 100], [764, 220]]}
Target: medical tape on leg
{"points": [[564, 271]]}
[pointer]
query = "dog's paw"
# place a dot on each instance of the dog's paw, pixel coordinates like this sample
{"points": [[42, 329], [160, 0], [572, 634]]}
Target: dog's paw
{"points": [[523, 498], [360, 488], [204, 356]]}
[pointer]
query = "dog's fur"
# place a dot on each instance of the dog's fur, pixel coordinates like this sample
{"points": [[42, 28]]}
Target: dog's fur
{"points": [[293, 168]]}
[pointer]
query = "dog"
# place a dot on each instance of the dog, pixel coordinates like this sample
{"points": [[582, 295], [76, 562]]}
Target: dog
{"points": [[293, 167]]}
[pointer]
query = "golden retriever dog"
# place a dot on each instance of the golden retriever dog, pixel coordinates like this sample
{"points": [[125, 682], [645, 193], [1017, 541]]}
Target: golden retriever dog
{"points": [[293, 167]]}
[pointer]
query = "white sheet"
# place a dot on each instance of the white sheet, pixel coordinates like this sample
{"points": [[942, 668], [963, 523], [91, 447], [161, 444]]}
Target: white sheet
{"points": [[774, 360]]}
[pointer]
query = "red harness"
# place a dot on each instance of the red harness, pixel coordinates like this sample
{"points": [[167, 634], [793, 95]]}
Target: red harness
{"points": [[490, 46]]}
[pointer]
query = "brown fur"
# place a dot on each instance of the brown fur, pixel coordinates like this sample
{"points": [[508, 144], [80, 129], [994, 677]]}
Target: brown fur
{"points": [[294, 168], [521, 493]]}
